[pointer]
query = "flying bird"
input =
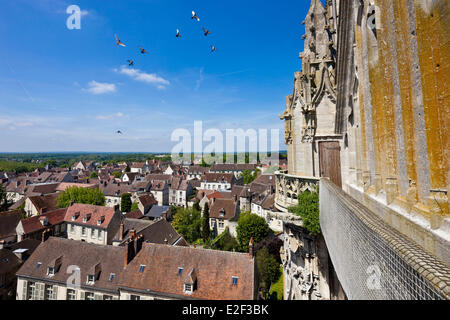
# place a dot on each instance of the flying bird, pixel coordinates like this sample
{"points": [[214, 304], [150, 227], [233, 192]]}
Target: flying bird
{"points": [[194, 16], [118, 42], [178, 34], [206, 31], [119, 132], [130, 63], [143, 50], [213, 49]]}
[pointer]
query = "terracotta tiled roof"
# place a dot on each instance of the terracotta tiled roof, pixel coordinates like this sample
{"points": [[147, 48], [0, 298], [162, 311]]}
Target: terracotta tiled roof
{"points": [[92, 213], [148, 201], [268, 179], [138, 165], [134, 215], [218, 177], [116, 189], [201, 193], [34, 224], [223, 209], [9, 261], [44, 188], [8, 223], [158, 185], [159, 177], [45, 203], [214, 272], [64, 185], [76, 253], [197, 170], [269, 202], [233, 167], [195, 183]]}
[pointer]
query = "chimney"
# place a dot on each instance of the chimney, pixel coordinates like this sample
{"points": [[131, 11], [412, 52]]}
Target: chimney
{"points": [[72, 203], [251, 248], [128, 252], [132, 234], [44, 235], [121, 230]]}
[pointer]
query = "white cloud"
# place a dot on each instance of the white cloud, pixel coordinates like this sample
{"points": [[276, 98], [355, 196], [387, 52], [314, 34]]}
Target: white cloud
{"points": [[110, 116], [139, 75], [101, 88]]}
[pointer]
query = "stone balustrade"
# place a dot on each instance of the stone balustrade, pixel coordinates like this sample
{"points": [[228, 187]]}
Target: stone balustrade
{"points": [[288, 187]]}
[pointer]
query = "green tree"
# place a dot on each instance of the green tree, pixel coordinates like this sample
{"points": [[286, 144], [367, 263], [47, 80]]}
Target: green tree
{"points": [[196, 206], [250, 176], [308, 210], [4, 203], [251, 226], [188, 222], [125, 202], [93, 175], [225, 242], [206, 231], [117, 174], [128, 169], [81, 195], [268, 270], [134, 207]]}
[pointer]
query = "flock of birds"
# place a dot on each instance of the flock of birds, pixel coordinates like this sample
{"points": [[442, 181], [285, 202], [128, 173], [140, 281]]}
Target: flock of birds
{"points": [[206, 32]]}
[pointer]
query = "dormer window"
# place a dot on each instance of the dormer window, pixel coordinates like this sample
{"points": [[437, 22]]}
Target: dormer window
{"points": [[234, 281], [38, 265], [50, 271], [90, 279], [100, 221], [188, 288], [111, 276], [180, 271], [141, 268]]}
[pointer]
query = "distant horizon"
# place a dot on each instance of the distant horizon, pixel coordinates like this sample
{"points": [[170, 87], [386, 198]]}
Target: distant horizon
{"points": [[130, 152]]}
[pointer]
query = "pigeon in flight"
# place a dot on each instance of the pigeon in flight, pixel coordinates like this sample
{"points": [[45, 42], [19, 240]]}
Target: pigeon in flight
{"points": [[213, 49], [130, 63], [143, 50], [119, 132], [206, 31], [194, 16], [118, 42], [178, 34]]}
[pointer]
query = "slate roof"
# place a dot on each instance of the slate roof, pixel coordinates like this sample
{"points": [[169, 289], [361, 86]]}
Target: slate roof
{"points": [[213, 272], [157, 211]]}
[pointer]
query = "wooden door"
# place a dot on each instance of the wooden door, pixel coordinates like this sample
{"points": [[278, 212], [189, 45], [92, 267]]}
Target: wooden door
{"points": [[330, 161]]}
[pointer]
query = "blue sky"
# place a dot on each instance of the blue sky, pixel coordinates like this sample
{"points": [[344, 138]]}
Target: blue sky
{"points": [[71, 90]]}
